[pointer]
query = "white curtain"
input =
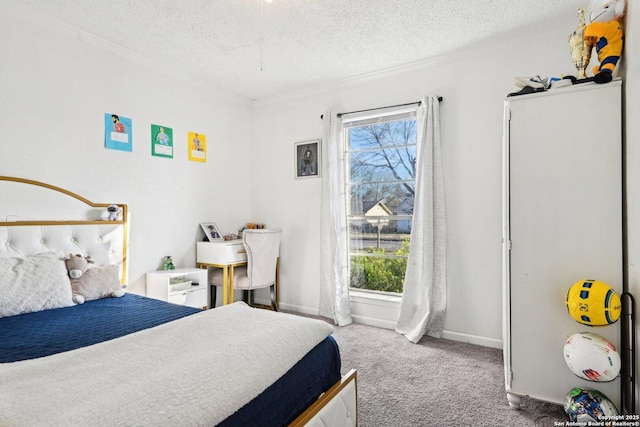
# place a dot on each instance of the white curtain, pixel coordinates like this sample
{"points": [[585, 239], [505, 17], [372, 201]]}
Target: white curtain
{"points": [[334, 267], [424, 297]]}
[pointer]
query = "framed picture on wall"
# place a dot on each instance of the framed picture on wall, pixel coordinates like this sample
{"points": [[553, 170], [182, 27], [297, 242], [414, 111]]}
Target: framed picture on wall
{"points": [[211, 231], [307, 159]]}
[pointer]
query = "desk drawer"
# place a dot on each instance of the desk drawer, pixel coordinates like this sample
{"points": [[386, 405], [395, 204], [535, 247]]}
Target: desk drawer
{"points": [[228, 252]]}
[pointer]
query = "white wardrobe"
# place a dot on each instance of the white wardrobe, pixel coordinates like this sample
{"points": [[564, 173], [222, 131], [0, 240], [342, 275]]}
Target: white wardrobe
{"points": [[562, 222]]}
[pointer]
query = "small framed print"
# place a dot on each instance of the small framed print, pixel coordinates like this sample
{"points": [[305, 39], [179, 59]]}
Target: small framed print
{"points": [[211, 231], [307, 159]]}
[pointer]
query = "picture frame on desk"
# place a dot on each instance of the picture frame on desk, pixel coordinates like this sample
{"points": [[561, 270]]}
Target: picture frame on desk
{"points": [[211, 231], [307, 159]]}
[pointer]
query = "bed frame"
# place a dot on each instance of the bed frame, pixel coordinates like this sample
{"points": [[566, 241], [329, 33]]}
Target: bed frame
{"points": [[82, 227], [85, 229], [338, 406]]}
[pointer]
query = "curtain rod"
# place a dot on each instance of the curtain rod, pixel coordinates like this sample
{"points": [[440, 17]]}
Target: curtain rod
{"points": [[379, 108]]}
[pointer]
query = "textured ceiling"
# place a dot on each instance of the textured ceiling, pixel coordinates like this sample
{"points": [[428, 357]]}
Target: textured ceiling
{"points": [[257, 49]]}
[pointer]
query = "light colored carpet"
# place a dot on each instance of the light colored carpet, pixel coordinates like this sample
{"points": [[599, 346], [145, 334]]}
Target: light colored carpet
{"points": [[433, 383]]}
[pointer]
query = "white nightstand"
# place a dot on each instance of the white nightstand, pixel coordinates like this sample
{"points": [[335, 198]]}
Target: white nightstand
{"points": [[173, 286]]}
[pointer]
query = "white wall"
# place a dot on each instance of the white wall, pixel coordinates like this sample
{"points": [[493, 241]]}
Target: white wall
{"points": [[56, 84], [55, 87], [474, 83]]}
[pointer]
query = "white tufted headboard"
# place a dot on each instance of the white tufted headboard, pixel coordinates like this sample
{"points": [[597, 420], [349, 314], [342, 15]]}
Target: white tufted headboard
{"points": [[36, 217]]}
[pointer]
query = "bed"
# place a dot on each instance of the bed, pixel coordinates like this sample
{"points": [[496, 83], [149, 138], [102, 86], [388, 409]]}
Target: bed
{"points": [[133, 360]]}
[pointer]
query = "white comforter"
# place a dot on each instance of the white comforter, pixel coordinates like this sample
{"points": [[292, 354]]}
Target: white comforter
{"points": [[194, 371]]}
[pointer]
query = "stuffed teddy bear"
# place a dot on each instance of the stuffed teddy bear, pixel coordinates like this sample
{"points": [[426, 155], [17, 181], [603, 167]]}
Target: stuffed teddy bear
{"points": [[606, 34], [92, 282]]}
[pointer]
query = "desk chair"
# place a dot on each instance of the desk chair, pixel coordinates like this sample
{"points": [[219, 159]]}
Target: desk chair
{"points": [[263, 250]]}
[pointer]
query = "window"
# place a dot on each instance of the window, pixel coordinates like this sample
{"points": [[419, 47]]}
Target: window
{"points": [[380, 178]]}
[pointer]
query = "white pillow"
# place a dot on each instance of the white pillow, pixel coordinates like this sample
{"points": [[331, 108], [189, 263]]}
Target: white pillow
{"points": [[34, 283]]}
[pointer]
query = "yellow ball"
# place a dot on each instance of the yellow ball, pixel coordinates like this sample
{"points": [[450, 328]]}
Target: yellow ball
{"points": [[593, 303]]}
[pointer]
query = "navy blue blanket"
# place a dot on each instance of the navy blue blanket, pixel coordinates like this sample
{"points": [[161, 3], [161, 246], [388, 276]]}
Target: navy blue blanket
{"points": [[43, 333]]}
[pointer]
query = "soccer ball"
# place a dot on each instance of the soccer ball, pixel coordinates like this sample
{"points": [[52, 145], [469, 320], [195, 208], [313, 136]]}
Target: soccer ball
{"points": [[593, 303], [588, 405], [591, 357]]}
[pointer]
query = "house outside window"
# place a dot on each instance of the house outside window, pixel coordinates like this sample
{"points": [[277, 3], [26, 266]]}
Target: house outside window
{"points": [[380, 178]]}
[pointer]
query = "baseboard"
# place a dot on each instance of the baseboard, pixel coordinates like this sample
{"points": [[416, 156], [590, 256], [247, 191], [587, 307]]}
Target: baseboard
{"points": [[387, 324], [472, 339], [311, 311], [370, 321]]}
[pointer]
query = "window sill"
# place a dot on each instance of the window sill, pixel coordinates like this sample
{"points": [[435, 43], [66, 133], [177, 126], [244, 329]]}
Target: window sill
{"points": [[374, 297], [375, 309]]}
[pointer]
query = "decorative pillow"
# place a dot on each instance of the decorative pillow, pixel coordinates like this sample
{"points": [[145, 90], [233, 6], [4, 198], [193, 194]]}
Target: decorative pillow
{"points": [[33, 283], [97, 282]]}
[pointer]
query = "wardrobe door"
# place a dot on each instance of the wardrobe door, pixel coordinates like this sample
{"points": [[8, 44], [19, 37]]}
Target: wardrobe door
{"points": [[564, 203]]}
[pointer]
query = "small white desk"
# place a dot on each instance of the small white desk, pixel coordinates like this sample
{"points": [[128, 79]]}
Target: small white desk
{"points": [[226, 255]]}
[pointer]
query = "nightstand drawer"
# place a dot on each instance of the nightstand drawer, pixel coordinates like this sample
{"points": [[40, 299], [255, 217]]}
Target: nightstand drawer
{"points": [[162, 285], [190, 297]]}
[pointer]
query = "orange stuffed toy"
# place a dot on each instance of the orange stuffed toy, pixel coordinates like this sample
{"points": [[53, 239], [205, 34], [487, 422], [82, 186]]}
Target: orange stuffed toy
{"points": [[605, 32]]}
